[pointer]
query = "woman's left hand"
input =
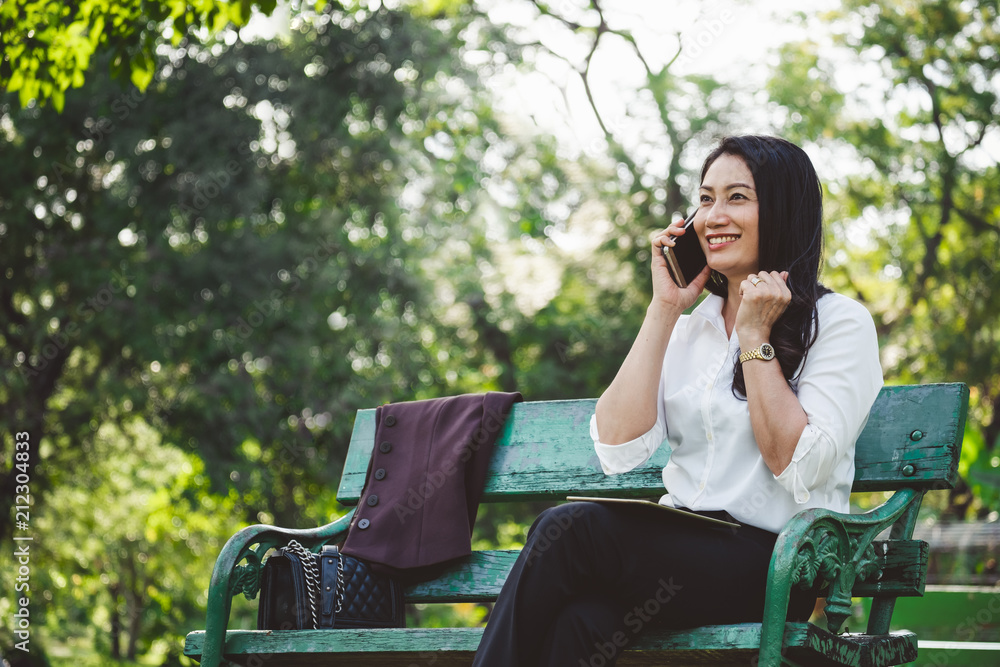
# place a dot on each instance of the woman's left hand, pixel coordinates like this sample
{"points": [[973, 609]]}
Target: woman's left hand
{"points": [[765, 298]]}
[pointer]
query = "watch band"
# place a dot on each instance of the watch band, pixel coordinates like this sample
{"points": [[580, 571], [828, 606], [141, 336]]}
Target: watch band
{"points": [[764, 352]]}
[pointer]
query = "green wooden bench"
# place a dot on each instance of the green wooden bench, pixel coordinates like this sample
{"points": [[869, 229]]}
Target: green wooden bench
{"points": [[911, 445]]}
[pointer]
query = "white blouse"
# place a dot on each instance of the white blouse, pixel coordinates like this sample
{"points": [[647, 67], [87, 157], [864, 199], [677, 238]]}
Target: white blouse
{"points": [[714, 460]]}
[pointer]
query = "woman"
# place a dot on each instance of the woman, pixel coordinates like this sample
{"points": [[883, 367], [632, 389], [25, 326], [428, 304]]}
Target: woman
{"points": [[761, 393]]}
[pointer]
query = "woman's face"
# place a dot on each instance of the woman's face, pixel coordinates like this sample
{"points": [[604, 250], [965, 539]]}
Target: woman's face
{"points": [[726, 220]]}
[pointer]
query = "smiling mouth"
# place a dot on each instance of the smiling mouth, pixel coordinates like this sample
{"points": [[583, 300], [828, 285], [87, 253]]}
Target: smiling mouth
{"points": [[718, 240]]}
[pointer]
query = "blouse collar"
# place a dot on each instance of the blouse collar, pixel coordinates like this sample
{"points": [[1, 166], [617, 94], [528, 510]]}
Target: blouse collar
{"points": [[710, 309]]}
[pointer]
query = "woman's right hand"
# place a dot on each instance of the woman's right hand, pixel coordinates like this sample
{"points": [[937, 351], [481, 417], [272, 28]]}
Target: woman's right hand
{"points": [[665, 290]]}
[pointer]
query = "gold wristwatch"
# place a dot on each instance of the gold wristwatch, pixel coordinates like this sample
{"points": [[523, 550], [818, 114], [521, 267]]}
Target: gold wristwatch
{"points": [[765, 352]]}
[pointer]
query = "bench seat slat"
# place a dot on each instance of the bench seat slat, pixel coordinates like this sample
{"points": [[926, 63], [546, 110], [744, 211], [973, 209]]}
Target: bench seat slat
{"points": [[476, 578], [712, 644], [480, 576], [423, 643], [405, 647]]}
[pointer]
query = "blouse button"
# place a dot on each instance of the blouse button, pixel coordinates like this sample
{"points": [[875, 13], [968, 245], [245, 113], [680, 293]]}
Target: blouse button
{"points": [[385, 447], [364, 523], [390, 420], [380, 473]]}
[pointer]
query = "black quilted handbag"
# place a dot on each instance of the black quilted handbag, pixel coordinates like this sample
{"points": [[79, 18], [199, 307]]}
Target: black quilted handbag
{"points": [[300, 590]]}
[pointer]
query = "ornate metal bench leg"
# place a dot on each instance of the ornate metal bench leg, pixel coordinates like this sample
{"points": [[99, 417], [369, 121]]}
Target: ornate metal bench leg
{"points": [[880, 615], [228, 579]]}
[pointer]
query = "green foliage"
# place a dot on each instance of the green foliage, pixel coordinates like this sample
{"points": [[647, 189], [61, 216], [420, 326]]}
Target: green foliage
{"points": [[982, 468], [138, 531], [268, 237], [922, 204], [224, 258], [240, 257], [207, 272], [47, 45], [264, 289]]}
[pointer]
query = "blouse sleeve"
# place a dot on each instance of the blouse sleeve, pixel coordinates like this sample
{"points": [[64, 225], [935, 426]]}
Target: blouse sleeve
{"points": [[840, 378], [621, 458]]}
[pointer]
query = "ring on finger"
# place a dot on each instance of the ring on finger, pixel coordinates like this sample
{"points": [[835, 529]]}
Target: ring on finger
{"points": [[755, 281]]}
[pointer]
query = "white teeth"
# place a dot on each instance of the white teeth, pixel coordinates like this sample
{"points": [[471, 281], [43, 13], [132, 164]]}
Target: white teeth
{"points": [[721, 239]]}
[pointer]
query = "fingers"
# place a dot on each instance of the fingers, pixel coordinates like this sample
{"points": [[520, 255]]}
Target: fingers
{"points": [[661, 241], [745, 286], [767, 285], [765, 297], [698, 284], [666, 237], [776, 279]]}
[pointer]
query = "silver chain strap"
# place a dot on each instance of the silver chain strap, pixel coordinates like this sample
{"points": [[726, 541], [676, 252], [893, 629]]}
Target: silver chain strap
{"points": [[340, 582], [311, 571]]}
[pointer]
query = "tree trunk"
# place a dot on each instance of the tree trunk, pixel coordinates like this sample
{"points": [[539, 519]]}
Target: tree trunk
{"points": [[991, 431], [133, 604], [116, 625]]}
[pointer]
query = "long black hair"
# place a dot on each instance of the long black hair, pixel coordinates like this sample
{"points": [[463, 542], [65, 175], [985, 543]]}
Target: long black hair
{"points": [[790, 224]]}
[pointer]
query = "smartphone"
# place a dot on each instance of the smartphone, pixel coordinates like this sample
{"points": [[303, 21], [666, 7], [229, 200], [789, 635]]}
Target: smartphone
{"points": [[686, 259]]}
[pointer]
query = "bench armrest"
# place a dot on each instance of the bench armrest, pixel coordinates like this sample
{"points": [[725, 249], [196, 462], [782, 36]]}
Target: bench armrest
{"points": [[229, 578], [821, 546]]}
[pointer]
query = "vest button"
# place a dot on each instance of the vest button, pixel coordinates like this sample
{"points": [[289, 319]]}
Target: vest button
{"points": [[390, 420], [372, 500], [364, 523], [385, 447], [380, 473]]}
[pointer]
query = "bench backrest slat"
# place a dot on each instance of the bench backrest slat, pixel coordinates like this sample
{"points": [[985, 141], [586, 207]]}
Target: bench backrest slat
{"points": [[912, 425], [545, 450]]}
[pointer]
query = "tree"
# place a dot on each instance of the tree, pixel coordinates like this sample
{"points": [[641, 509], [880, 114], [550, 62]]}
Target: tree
{"points": [[273, 235], [233, 257], [918, 115], [138, 532], [47, 45], [569, 340], [245, 300]]}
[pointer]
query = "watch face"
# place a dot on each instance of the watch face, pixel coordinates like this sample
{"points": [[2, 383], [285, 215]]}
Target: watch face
{"points": [[766, 351]]}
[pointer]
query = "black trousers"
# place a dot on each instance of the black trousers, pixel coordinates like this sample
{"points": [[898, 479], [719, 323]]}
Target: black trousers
{"points": [[592, 576]]}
